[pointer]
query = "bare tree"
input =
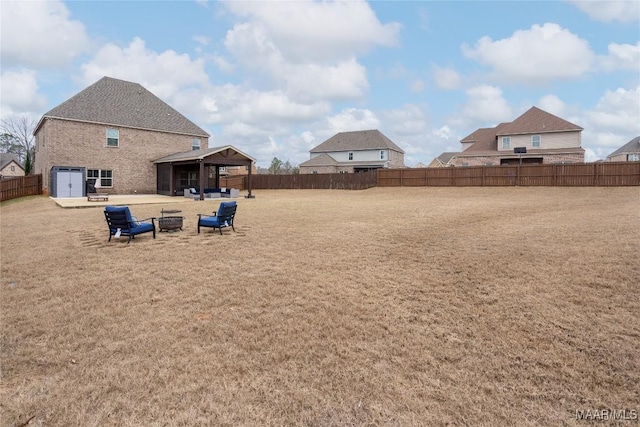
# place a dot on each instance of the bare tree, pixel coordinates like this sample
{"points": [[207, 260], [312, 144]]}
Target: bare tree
{"points": [[17, 137]]}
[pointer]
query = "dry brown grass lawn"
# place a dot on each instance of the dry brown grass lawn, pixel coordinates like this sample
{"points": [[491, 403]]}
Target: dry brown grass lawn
{"points": [[412, 306]]}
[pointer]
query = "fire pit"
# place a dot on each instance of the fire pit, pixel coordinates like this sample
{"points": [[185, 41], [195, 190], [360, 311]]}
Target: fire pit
{"points": [[170, 223]]}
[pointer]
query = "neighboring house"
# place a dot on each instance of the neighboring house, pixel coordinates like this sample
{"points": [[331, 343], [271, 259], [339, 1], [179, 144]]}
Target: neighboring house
{"points": [[630, 152], [540, 137], [355, 151], [10, 166], [112, 131], [442, 160]]}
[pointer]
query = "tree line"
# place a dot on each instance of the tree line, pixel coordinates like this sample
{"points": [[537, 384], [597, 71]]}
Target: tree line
{"points": [[278, 167]]}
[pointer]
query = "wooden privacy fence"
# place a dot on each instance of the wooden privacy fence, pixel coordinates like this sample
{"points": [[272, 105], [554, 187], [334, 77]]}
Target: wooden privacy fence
{"points": [[562, 175], [335, 181], [20, 186]]}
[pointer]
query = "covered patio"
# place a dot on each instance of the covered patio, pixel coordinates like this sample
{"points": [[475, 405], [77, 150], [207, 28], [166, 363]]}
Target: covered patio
{"points": [[199, 169]]}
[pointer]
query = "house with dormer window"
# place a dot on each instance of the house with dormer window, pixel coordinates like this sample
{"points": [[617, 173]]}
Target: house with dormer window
{"points": [[536, 137]]}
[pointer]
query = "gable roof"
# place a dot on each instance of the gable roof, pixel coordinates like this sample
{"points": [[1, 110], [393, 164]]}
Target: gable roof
{"points": [[6, 158], [632, 146], [535, 120], [484, 139], [320, 160], [227, 151], [356, 141], [116, 102]]}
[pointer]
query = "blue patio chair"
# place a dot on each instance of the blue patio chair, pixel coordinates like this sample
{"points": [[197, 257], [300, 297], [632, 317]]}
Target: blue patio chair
{"points": [[122, 223], [221, 219]]}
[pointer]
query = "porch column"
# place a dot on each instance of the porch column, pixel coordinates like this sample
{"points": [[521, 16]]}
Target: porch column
{"points": [[172, 183], [249, 196], [202, 180]]}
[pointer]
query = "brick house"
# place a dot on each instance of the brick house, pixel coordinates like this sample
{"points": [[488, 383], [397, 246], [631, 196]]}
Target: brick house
{"points": [[356, 151], [10, 166], [629, 152], [112, 131], [536, 137]]}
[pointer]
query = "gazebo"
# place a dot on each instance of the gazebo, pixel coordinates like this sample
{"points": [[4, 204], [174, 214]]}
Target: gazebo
{"points": [[199, 168]]}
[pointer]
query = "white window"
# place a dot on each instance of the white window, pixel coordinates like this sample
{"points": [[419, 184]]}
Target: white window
{"points": [[105, 176], [13, 168], [113, 137], [195, 143], [383, 154], [633, 157], [350, 155], [506, 142], [535, 140], [314, 172]]}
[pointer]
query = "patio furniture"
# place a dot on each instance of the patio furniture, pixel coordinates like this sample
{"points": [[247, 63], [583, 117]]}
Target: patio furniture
{"points": [[97, 197], [122, 223], [221, 219]]}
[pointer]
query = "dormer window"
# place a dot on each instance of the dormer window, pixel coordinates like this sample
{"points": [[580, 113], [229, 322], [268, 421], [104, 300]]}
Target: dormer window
{"points": [[506, 142]]}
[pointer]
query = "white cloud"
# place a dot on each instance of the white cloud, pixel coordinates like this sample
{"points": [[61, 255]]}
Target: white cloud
{"points": [[308, 49], [40, 34], [138, 64], [610, 10], [417, 86], [409, 120], [612, 123], [533, 56], [307, 30], [19, 93], [485, 106], [552, 104], [346, 80], [622, 57], [351, 119], [446, 78], [617, 111]]}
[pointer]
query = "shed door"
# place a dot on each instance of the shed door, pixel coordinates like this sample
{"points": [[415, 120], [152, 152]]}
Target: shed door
{"points": [[69, 184]]}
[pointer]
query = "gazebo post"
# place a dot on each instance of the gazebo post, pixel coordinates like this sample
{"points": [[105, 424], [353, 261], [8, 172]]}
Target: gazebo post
{"points": [[201, 179], [249, 196]]}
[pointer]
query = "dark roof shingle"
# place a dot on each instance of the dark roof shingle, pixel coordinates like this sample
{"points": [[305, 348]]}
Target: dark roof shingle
{"points": [[120, 103], [535, 120], [357, 140], [632, 146]]}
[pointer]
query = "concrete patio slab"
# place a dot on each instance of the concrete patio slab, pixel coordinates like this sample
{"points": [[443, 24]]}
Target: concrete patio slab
{"points": [[118, 200]]}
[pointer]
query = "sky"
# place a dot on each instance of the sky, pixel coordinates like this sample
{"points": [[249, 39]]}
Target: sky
{"points": [[277, 78]]}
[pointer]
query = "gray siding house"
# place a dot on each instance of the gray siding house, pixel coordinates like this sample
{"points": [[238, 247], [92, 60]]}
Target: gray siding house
{"points": [[356, 151]]}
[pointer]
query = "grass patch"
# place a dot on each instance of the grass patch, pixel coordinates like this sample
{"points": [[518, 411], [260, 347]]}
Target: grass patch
{"points": [[390, 306]]}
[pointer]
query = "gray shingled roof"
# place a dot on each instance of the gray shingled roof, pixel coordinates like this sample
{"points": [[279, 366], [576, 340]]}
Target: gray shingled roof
{"points": [[632, 146], [356, 141], [120, 103], [320, 160]]}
